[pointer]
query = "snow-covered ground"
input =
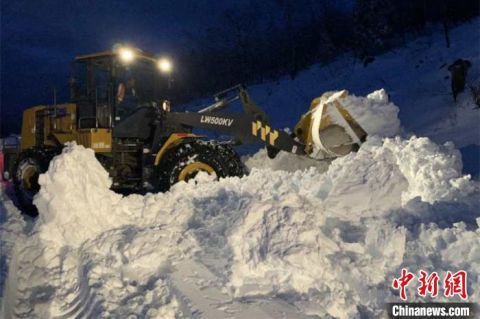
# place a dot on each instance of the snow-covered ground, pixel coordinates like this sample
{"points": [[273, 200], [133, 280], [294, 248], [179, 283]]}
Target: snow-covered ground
{"points": [[293, 239]]}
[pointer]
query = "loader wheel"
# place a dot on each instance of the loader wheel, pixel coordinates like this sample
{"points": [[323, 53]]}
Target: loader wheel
{"points": [[29, 166], [187, 160]]}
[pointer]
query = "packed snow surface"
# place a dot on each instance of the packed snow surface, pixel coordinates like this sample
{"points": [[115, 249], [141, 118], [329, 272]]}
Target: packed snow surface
{"points": [[271, 244]]}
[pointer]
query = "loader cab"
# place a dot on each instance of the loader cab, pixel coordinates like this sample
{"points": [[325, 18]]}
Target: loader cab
{"points": [[96, 80], [91, 89]]}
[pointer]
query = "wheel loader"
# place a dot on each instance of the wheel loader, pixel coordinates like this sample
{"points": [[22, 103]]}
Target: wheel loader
{"points": [[147, 146]]}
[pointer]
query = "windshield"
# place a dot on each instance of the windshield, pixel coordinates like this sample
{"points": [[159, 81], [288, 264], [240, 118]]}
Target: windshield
{"points": [[91, 80], [144, 78]]}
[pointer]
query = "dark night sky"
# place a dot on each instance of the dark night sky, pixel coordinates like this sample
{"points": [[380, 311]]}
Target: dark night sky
{"points": [[39, 39]]}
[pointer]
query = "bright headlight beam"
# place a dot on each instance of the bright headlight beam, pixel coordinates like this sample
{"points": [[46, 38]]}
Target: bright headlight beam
{"points": [[165, 65], [126, 55]]}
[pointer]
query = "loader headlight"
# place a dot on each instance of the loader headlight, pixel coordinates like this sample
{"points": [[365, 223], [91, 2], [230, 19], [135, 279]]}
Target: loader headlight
{"points": [[126, 55], [164, 65], [166, 105]]}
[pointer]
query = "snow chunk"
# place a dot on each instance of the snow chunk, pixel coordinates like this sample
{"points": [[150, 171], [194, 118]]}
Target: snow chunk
{"points": [[73, 190], [375, 113], [434, 172]]}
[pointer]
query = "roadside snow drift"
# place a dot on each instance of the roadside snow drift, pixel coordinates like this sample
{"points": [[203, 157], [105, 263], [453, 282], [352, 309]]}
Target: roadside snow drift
{"points": [[274, 243]]}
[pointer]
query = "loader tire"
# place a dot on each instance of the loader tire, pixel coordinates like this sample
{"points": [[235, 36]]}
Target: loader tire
{"points": [[185, 161], [30, 164], [234, 165]]}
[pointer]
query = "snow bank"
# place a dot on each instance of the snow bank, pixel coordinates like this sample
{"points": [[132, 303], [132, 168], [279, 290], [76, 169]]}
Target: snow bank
{"points": [[338, 238], [12, 229], [93, 252], [328, 243], [77, 183]]}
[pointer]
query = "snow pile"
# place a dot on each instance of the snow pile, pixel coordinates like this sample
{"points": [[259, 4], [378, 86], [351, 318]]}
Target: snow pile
{"points": [[433, 172], [328, 243], [337, 238], [77, 183], [375, 113], [429, 171], [93, 252]]}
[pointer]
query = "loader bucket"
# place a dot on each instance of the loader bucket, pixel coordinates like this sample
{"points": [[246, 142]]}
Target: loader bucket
{"points": [[328, 130]]}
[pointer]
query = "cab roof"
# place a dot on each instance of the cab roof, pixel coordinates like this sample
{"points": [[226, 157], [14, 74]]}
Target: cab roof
{"points": [[106, 54]]}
